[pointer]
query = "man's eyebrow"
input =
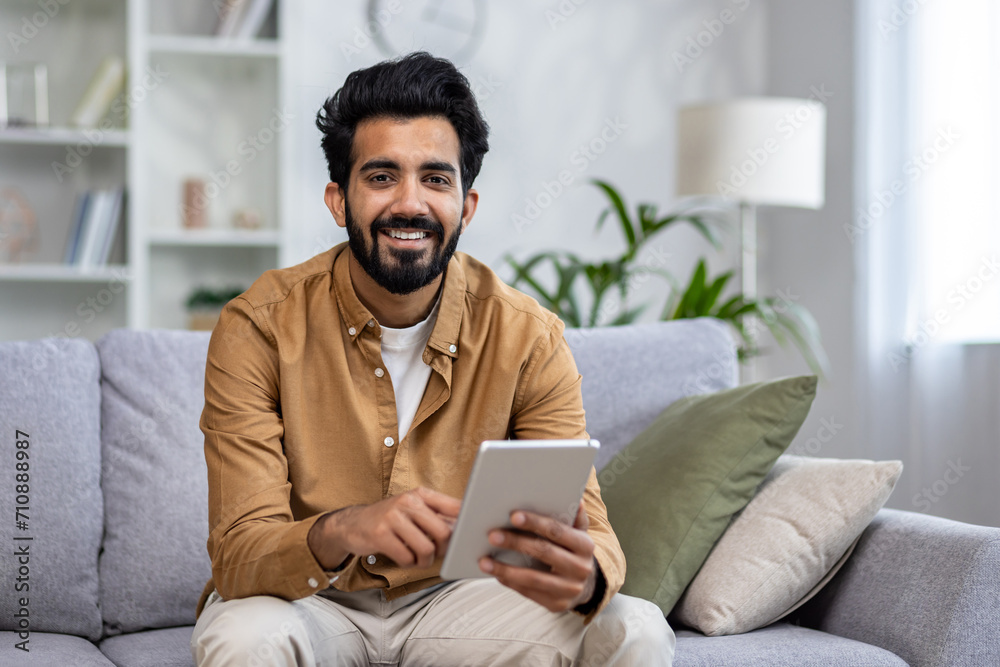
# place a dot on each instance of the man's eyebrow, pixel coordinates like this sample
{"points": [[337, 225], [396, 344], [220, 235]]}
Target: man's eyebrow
{"points": [[385, 163], [438, 165], [378, 163]]}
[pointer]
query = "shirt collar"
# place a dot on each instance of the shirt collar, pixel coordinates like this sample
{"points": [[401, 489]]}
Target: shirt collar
{"points": [[354, 315], [444, 338]]}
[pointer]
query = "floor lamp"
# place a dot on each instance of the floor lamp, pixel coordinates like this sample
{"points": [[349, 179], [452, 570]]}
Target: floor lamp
{"points": [[752, 152]]}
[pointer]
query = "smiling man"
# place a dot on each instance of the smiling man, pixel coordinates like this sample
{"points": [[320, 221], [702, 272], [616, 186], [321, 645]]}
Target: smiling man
{"points": [[345, 400]]}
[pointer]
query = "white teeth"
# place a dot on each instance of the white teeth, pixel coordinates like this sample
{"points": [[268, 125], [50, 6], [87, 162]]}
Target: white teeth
{"points": [[396, 234]]}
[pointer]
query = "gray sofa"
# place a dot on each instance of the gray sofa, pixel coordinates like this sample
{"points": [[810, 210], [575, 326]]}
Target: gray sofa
{"points": [[113, 516]]}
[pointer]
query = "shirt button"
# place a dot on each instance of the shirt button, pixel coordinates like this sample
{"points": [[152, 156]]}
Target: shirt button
{"points": [[371, 560], [389, 442], [352, 331], [452, 349], [334, 578], [312, 583], [371, 323], [379, 372]]}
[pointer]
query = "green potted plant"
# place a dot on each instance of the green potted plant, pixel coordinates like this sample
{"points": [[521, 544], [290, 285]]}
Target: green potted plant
{"points": [[610, 283], [205, 303]]}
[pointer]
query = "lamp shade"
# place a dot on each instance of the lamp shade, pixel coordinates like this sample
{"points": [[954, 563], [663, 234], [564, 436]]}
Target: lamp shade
{"points": [[761, 150]]}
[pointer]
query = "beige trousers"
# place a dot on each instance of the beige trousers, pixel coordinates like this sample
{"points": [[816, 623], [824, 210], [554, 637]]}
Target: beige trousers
{"points": [[472, 622]]}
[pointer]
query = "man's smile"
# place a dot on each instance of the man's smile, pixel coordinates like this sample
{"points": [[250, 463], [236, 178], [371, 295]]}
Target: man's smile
{"points": [[400, 234], [408, 238]]}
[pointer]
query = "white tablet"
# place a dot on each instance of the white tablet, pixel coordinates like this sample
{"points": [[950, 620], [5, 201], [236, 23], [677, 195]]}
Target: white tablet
{"points": [[544, 476]]}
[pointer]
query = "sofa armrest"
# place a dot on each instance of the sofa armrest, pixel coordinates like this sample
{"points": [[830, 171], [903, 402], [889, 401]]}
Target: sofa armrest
{"points": [[925, 588]]}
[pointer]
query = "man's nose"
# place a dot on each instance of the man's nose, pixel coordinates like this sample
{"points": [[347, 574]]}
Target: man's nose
{"points": [[410, 200]]}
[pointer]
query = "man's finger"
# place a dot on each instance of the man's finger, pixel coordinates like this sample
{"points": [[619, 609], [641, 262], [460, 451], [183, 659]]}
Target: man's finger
{"points": [[561, 560], [396, 550], [440, 502], [552, 592], [438, 528], [582, 521], [555, 531], [421, 547]]}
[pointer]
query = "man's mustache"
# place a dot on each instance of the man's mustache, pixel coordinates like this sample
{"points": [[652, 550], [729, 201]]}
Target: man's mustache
{"points": [[399, 222]]}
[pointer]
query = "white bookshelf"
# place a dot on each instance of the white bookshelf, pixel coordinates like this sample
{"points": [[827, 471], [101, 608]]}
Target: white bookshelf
{"points": [[214, 46], [267, 238], [57, 273], [60, 136], [194, 100]]}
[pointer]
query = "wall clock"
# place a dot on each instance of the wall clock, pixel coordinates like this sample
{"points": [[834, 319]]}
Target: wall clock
{"points": [[451, 29]]}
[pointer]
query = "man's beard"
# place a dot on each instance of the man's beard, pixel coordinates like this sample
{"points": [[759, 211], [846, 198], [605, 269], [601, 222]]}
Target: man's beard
{"points": [[410, 272]]}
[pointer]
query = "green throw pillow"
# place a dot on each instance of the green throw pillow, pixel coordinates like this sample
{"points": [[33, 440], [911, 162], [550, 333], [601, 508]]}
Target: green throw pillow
{"points": [[696, 465]]}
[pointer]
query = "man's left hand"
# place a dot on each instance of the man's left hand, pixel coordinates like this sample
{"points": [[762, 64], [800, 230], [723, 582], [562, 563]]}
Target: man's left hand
{"points": [[567, 550]]}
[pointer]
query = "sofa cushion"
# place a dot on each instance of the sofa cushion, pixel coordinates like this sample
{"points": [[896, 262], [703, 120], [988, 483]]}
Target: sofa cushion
{"points": [[788, 541], [48, 650], [779, 645], [631, 373], [154, 564], [690, 471], [49, 390], [170, 647]]}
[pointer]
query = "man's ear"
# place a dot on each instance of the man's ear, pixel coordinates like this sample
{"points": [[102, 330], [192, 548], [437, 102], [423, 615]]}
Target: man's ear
{"points": [[469, 207], [334, 198]]}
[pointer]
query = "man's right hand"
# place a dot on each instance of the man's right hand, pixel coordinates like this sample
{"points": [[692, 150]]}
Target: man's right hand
{"points": [[411, 529]]}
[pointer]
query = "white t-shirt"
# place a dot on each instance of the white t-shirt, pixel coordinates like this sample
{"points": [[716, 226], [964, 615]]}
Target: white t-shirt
{"points": [[402, 354]]}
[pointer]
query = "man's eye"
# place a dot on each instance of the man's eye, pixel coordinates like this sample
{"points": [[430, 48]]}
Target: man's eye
{"points": [[380, 178], [438, 180]]}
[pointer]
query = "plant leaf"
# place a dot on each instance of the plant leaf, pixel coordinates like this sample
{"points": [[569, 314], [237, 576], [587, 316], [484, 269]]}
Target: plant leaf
{"points": [[686, 307], [725, 310], [698, 221], [711, 295], [524, 274], [618, 204]]}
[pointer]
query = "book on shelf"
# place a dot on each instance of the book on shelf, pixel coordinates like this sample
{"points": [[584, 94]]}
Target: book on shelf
{"points": [[106, 84], [114, 221], [241, 19], [96, 220], [75, 227]]}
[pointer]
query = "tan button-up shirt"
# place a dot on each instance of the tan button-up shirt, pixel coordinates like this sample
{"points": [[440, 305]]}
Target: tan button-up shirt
{"points": [[299, 422]]}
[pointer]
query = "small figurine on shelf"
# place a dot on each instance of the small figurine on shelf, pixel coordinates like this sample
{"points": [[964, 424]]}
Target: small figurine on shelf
{"points": [[24, 99], [18, 228], [205, 303], [194, 206], [246, 218]]}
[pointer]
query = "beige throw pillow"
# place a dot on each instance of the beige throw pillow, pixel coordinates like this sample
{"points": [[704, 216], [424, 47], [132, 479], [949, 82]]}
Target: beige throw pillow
{"points": [[787, 542]]}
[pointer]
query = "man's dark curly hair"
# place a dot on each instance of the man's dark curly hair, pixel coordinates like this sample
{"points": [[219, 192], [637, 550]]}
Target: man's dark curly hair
{"points": [[409, 87]]}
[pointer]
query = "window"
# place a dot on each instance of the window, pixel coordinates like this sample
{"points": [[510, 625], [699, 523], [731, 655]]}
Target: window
{"points": [[952, 166]]}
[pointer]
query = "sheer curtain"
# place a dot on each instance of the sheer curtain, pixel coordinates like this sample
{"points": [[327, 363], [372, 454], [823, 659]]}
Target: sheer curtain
{"points": [[926, 231]]}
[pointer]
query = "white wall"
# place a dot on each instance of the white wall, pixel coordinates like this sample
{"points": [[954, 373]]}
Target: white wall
{"points": [[806, 254], [551, 76], [547, 87], [554, 86]]}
